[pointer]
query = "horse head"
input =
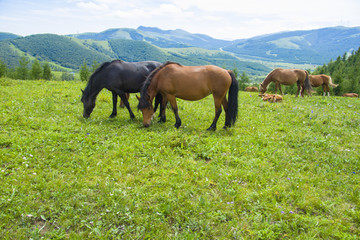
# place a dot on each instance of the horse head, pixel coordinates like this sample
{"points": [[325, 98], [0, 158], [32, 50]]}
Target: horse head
{"points": [[147, 110], [262, 89], [89, 104]]}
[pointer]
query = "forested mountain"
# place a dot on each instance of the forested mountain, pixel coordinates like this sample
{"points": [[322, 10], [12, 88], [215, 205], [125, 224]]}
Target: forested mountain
{"points": [[146, 43], [162, 38], [312, 47], [4, 36], [316, 46], [344, 71], [71, 52]]}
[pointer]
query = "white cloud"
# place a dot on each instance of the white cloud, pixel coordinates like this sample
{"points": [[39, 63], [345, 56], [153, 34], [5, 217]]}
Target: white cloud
{"points": [[221, 19]]}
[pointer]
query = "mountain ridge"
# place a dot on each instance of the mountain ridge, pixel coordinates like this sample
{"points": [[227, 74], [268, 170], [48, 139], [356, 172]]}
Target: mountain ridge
{"points": [[316, 47]]}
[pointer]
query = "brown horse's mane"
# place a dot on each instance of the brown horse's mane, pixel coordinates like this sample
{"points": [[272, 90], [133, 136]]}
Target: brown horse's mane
{"points": [[267, 80], [143, 103]]}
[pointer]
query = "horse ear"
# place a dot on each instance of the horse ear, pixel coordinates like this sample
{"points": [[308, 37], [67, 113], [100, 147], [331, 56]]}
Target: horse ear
{"points": [[138, 98]]}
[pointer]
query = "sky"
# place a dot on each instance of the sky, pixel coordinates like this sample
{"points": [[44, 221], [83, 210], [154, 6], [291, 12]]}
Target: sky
{"points": [[222, 19]]}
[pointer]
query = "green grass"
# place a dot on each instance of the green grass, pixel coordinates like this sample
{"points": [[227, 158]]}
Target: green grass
{"points": [[287, 170]]}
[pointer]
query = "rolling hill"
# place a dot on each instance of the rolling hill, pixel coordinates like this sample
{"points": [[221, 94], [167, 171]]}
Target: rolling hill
{"points": [[315, 47], [311, 47], [70, 52]]}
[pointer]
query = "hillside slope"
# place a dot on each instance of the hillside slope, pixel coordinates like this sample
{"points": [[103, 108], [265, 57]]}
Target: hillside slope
{"points": [[71, 52], [316, 46], [311, 47]]}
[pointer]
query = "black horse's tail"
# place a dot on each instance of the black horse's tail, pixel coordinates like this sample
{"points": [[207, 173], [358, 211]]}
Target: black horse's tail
{"points": [[232, 111], [308, 84]]}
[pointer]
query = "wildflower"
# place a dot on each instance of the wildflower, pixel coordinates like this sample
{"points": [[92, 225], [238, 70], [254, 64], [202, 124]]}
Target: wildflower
{"points": [[291, 212], [282, 212]]}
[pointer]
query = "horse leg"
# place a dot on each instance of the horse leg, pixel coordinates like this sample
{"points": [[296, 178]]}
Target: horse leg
{"points": [[114, 98], [172, 100], [126, 102], [217, 114], [327, 89], [303, 90], [281, 92], [227, 120], [163, 109], [298, 88], [122, 105]]}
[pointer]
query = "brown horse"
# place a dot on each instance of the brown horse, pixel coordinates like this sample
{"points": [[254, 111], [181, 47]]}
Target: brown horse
{"points": [[287, 77], [322, 80], [350, 95], [271, 97], [192, 83], [251, 89]]}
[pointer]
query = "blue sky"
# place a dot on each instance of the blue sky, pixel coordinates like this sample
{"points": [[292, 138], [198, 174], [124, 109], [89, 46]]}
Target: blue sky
{"points": [[224, 19]]}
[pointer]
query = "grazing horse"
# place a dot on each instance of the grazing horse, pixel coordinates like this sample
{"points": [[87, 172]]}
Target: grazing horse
{"points": [[287, 77], [190, 83], [120, 78], [251, 89], [322, 80], [350, 95]]}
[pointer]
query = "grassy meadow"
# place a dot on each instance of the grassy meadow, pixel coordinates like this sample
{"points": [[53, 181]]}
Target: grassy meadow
{"points": [[287, 170]]}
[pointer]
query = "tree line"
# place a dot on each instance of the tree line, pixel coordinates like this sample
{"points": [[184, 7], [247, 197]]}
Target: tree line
{"points": [[345, 72], [25, 72]]}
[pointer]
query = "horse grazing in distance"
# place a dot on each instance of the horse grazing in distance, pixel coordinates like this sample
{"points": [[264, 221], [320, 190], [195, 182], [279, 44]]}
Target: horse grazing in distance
{"points": [[251, 89], [271, 97], [119, 77], [322, 80], [350, 95], [287, 77], [191, 83]]}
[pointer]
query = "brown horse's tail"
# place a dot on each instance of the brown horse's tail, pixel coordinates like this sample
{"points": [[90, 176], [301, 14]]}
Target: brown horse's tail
{"points": [[308, 84], [331, 83], [232, 111]]}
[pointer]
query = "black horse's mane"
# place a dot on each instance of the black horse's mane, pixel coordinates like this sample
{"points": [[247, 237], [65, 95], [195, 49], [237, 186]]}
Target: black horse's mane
{"points": [[143, 103], [86, 92]]}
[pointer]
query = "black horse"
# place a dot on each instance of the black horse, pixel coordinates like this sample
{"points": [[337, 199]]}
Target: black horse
{"points": [[119, 77]]}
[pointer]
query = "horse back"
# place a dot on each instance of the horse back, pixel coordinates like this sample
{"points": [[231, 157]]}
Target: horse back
{"points": [[289, 76], [128, 76], [193, 82]]}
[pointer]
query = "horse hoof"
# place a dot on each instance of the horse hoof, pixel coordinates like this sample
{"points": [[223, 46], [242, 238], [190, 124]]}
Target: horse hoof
{"points": [[211, 129], [112, 116]]}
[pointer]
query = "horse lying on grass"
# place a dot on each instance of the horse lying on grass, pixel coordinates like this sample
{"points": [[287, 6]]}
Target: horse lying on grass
{"points": [[350, 95], [251, 89], [271, 97]]}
